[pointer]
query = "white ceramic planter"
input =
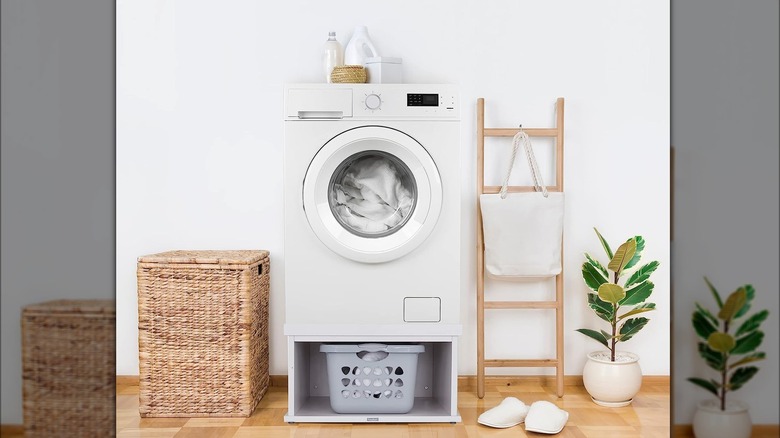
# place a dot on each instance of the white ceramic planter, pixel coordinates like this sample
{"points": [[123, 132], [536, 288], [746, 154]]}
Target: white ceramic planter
{"points": [[710, 422], [612, 384]]}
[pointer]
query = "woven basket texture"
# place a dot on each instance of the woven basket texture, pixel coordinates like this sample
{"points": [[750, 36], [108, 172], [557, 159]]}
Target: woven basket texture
{"points": [[202, 333], [348, 74], [68, 368]]}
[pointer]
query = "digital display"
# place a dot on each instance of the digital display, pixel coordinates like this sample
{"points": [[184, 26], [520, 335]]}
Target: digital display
{"points": [[422, 100]]}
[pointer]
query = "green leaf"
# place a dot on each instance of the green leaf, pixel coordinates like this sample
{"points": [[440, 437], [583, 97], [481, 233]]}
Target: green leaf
{"points": [[638, 293], [715, 293], [604, 244], [714, 359], [645, 307], [707, 313], [748, 343], [706, 384], [597, 265], [750, 294], [642, 273], [640, 245], [741, 376], [752, 323], [603, 309], [594, 335], [755, 357], [592, 276], [631, 327], [611, 293], [703, 325], [622, 256], [607, 336], [721, 342], [733, 303]]}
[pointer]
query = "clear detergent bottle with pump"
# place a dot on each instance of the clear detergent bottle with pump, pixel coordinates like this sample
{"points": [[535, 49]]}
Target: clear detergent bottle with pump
{"points": [[332, 56]]}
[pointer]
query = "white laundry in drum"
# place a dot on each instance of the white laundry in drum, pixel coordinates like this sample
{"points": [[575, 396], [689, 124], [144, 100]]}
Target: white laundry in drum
{"points": [[373, 194]]}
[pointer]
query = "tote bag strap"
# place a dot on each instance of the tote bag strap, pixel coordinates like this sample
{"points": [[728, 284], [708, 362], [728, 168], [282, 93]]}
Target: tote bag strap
{"points": [[522, 138]]}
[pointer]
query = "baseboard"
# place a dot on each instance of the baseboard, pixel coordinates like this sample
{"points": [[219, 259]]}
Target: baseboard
{"points": [[759, 431], [464, 382], [11, 430]]}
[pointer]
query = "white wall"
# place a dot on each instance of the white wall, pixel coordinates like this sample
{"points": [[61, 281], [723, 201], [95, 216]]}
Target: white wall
{"points": [[199, 133], [726, 183]]}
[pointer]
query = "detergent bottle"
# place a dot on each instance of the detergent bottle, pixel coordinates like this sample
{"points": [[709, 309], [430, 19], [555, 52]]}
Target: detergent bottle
{"points": [[359, 47], [332, 56]]}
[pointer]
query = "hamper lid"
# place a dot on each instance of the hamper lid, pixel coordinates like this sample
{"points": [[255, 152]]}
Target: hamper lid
{"points": [[206, 257], [103, 307]]}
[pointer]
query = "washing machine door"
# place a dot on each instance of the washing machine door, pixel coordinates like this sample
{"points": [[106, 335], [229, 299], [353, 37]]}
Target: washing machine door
{"points": [[372, 194]]}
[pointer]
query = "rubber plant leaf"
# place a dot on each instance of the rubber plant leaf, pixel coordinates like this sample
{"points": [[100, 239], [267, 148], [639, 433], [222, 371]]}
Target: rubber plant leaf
{"points": [[642, 274], [707, 314], [644, 307], [706, 384], [638, 293], [715, 293], [752, 323], [611, 292], [733, 303], [714, 359], [597, 265], [603, 309], [632, 327], [748, 343], [592, 276], [750, 293], [703, 325], [640, 245], [741, 376], [755, 357], [721, 342], [622, 256], [594, 335], [604, 243]]}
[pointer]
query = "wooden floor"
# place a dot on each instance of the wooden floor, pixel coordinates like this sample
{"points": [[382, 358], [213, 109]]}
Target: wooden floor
{"points": [[648, 417]]}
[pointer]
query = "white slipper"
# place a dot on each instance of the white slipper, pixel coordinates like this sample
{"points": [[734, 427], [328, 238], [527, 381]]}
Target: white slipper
{"points": [[510, 412], [545, 417]]}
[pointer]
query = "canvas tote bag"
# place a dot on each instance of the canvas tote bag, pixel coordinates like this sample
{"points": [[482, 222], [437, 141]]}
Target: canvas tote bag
{"points": [[522, 231]]}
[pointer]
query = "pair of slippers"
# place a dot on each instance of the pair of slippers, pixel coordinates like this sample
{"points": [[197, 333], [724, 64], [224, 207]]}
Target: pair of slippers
{"points": [[542, 416]]}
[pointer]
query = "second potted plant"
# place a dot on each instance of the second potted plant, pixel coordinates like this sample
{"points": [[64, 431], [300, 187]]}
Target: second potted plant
{"points": [[611, 377]]}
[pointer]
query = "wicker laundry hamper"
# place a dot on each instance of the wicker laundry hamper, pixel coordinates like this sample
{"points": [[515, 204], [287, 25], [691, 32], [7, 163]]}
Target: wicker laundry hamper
{"points": [[68, 368], [202, 333]]}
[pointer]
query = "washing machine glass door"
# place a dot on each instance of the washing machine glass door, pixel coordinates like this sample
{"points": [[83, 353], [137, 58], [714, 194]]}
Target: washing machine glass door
{"points": [[372, 194]]}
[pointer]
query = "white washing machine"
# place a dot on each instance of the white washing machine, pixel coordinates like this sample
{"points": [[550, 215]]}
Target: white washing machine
{"points": [[372, 204]]}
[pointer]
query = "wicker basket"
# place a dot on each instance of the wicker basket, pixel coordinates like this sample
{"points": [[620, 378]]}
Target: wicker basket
{"points": [[68, 368], [348, 74], [202, 333]]}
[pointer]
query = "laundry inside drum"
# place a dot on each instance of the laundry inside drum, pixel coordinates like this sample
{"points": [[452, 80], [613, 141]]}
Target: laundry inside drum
{"points": [[372, 194]]}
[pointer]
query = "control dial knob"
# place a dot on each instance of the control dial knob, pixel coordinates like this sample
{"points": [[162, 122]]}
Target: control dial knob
{"points": [[373, 101]]}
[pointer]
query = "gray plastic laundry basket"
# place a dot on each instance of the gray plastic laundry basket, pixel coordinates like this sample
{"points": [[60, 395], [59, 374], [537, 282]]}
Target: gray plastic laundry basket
{"points": [[371, 378]]}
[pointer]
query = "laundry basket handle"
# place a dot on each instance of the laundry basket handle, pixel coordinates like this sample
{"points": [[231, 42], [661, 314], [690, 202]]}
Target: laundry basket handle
{"points": [[373, 347]]}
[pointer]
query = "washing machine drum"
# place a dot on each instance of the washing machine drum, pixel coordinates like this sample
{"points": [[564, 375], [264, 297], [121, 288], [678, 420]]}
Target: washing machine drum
{"points": [[372, 194]]}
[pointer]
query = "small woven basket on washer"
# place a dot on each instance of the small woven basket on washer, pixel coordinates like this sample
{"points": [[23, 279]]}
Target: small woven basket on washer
{"points": [[202, 333], [348, 74], [68, 368]]}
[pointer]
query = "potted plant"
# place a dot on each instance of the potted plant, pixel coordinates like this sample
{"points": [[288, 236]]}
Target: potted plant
{"points": [[727, 354], [612, 378]]}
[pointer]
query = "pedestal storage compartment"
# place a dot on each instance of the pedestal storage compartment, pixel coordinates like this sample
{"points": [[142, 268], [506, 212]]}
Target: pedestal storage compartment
{"points": [[202, 332], [371, 378], [68, 368]]}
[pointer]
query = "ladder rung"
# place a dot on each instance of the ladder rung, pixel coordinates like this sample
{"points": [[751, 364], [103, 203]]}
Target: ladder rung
{"points": [[510, 132], [521, 304], [521, 362]]}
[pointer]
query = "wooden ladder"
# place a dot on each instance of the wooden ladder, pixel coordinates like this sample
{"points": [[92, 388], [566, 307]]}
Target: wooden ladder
{"points": [[557, 304]]}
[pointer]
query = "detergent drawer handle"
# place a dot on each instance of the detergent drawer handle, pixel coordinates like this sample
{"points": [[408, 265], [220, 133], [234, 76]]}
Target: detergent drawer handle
{"points": [[320, 114]]}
